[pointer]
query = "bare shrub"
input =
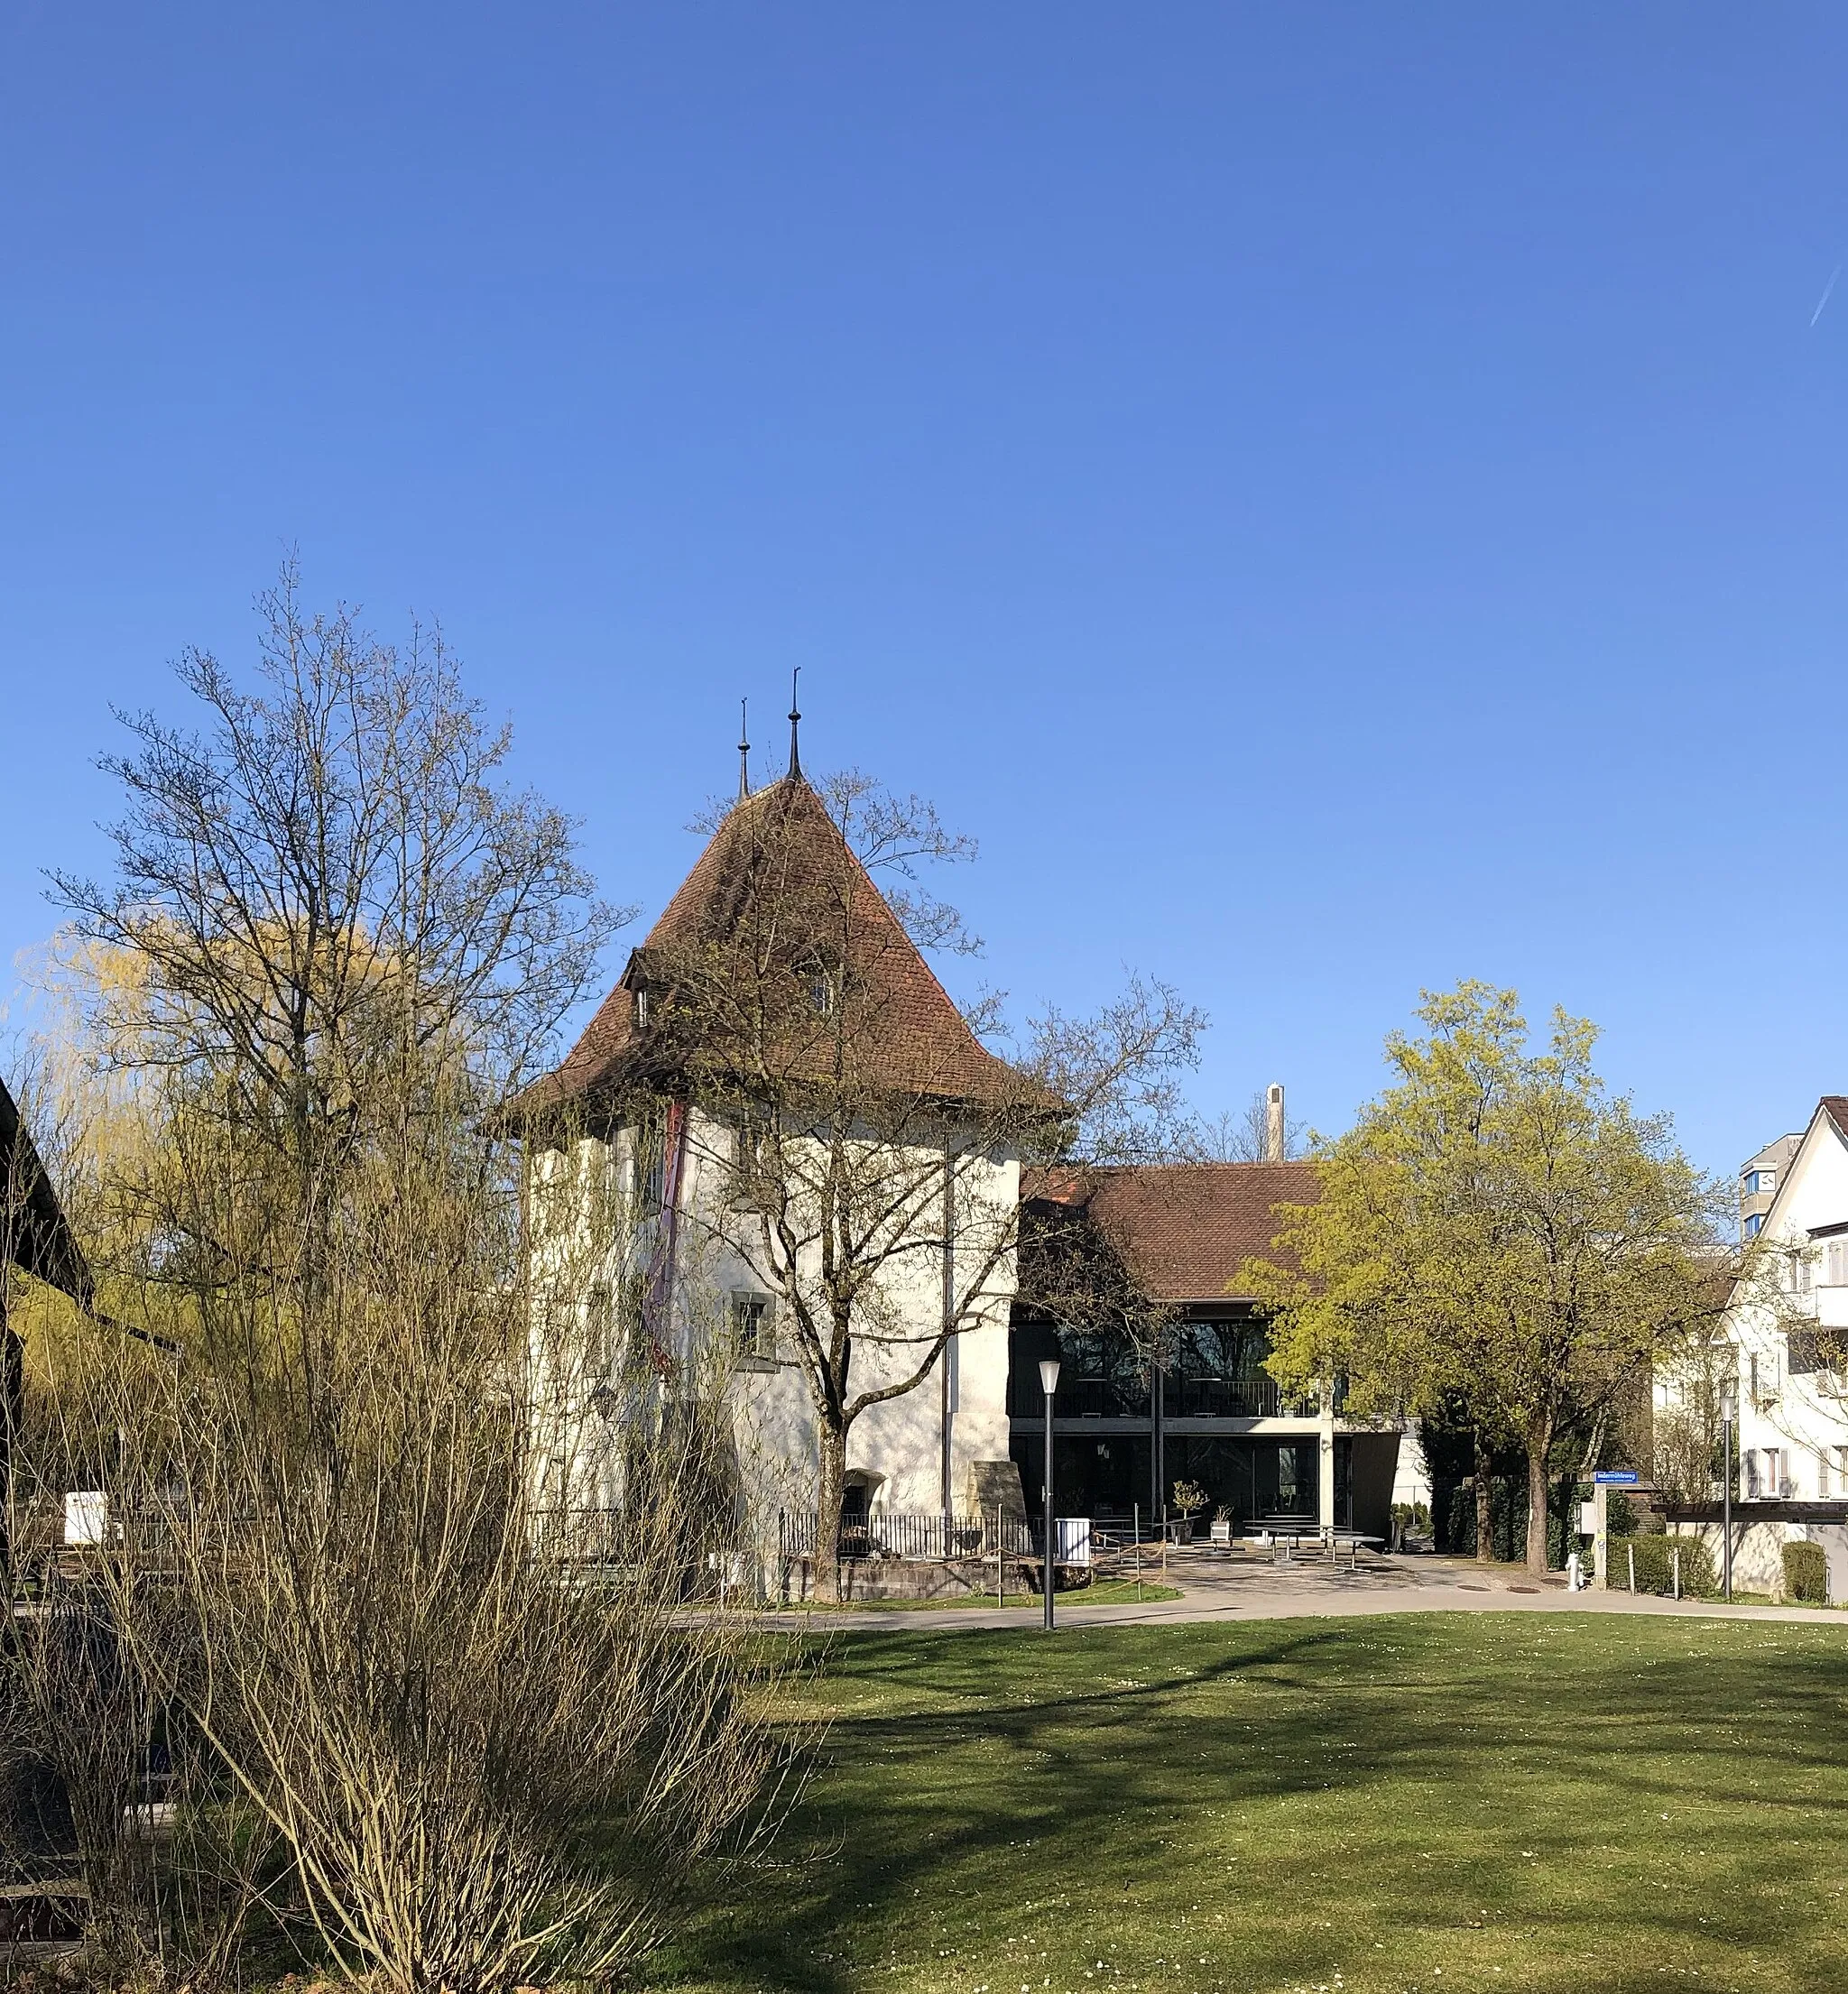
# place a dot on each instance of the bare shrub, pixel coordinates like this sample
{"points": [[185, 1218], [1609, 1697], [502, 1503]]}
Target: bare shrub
{"points": [[388, 1722]]}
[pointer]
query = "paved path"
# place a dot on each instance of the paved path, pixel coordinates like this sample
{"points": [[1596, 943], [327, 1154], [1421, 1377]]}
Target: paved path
{"points": [[1216, 1590]]}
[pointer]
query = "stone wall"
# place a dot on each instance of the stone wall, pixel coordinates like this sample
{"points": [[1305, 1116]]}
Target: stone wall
{"points": [[917, 1579]]}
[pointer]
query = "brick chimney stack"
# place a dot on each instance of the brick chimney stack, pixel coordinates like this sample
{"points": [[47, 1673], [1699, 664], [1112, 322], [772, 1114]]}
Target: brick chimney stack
{"points": [[1273, 1123]]}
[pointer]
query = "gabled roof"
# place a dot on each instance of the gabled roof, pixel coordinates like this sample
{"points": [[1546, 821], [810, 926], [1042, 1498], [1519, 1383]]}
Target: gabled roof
{"points": [[926, 1045], [1183, 1228], [35, 1234], [1831, 1109]]}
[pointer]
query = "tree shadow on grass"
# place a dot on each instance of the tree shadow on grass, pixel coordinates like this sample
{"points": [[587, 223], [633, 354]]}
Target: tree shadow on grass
{"points": [[975, 1775]]}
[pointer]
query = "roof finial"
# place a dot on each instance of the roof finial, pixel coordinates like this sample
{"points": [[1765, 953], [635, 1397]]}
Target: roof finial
{"points": [[795, 723], [744, 749]]}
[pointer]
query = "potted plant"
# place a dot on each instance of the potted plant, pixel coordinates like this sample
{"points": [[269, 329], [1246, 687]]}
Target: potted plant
{"points": [[1188, 1497]]}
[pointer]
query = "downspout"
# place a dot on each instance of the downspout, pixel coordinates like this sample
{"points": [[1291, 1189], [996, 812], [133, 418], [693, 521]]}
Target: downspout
{"points": [[657, 1311], [947, 1385]]}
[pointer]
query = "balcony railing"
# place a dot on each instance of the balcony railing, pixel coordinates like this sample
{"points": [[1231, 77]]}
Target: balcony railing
{"points": [[1249, 1398], [1182, 1398]]}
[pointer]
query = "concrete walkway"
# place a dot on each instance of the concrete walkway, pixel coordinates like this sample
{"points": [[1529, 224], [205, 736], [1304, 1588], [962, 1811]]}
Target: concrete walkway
{"points": [[1214, 1588]]}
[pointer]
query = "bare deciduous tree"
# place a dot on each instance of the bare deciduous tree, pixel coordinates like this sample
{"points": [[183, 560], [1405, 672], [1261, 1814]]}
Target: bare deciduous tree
{"points": [[1241, 1136]]}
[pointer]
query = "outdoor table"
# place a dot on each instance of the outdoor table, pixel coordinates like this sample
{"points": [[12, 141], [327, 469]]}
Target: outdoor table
{"points": [[1286, 1533]]}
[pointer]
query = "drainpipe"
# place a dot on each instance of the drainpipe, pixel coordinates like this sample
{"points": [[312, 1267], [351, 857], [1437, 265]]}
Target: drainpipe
{"points": [[950, 1381]]}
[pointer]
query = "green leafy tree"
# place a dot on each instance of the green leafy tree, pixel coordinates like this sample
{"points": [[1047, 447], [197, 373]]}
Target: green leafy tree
{"points": [[1499, 1231]]}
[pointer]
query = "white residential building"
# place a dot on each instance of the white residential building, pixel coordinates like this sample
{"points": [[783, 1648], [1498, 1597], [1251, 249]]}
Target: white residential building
{"points": [[1758, 1183], [1793, 1401]]}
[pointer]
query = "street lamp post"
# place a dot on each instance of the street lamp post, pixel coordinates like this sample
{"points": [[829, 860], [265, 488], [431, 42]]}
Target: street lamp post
{"points": [[1048, 1380], [1726, 1406]]}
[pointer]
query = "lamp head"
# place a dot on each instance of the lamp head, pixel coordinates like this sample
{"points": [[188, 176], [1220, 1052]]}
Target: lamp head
{"points": [[1049, 1375], [1728, 1407]]}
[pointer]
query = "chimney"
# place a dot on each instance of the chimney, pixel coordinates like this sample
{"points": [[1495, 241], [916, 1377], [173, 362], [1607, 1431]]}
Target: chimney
{"points": [[1273, 1123]]}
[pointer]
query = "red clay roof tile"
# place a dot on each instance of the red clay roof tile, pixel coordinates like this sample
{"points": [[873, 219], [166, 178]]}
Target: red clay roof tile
{"points": [[1183, 1228]]}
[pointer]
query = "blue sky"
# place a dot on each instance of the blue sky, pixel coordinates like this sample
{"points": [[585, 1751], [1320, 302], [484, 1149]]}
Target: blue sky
{"points": [[1336, 499]]}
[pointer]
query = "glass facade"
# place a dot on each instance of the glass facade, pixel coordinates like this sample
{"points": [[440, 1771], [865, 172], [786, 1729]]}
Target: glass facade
{"points": [[1254, 1478], [1217, 1370], [1099, 1377], [1098, 1475], [1115, 1446]]}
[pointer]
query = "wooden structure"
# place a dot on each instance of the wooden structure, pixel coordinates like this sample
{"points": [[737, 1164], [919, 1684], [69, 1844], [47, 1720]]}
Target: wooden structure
{"points": [[36, 1238]]}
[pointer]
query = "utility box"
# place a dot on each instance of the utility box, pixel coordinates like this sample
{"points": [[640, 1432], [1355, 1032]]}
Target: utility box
{"points": [[86, 1516], [1071, 1538]]}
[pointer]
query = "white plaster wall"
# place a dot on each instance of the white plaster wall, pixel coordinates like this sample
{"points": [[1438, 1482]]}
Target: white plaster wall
{"points": [[900, 1441], [1412, 1480], [1758, 1552]]}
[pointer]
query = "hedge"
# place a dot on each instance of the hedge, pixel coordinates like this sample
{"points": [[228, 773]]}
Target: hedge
{"points": [[1806, 1573], [1453, 1519], [1655, 1566]]}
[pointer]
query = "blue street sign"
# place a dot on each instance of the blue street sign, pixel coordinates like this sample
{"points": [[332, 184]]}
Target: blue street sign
{"points": [[1617, 1478]]}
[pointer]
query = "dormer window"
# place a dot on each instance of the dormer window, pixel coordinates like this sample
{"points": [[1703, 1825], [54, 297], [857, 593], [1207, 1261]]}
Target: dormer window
{"points": [[644, 1006], [820, 985]]}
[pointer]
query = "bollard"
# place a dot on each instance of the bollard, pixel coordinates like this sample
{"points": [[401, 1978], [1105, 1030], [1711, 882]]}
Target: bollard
{"points": [[1676, 1556], [1631, 1549]]}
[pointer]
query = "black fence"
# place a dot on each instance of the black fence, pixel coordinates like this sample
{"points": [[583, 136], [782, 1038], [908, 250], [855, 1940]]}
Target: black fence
{"points": [[1453, 1519], [926, 1538]]}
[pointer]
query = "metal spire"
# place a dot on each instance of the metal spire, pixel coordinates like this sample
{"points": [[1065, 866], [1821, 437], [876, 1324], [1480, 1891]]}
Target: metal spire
{"points": [[795, 723], [744, 749]]}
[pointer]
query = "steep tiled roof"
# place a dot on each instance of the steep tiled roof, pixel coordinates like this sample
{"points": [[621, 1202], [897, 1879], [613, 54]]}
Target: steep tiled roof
{"points": [[1835, 1106], [1183, 1228], [925, 1045]]}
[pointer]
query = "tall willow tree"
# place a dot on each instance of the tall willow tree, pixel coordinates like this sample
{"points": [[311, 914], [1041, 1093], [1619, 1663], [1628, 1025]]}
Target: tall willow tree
{"points": [[348, 938], [1498, 1229]]}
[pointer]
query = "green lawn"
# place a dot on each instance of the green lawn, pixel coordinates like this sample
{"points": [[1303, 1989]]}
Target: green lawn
{"points": [[1538, 1801]]}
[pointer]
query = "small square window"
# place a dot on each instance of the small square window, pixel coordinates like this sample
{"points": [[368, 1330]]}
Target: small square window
{"points": [[652, 1170], [599, 1321], [753, 1327]]}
